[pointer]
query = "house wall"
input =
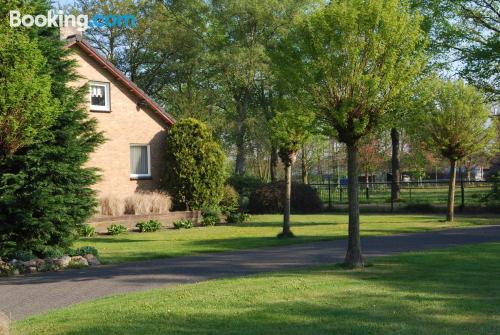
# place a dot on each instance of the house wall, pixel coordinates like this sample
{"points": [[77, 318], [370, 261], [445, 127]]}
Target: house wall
{"points": [[126, 124]]}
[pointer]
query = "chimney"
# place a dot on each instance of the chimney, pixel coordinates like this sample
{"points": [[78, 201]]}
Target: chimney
{"points": [[70, 32]]}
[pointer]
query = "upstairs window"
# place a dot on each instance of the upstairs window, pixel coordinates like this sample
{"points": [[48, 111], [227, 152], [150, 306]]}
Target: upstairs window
{"points": [[140, 161], [99, 96]]}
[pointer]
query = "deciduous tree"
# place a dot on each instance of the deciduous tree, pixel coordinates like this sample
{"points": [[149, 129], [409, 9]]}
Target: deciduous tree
{"points": [[291, 128], [454, 125], [354, 57]]}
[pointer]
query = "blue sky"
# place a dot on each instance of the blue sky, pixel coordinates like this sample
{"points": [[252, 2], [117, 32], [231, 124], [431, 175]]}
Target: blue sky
{"points": [[62, 2]]}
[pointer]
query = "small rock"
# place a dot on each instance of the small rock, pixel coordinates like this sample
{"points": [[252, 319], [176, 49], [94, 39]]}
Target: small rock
{"points": [[62, 262], [31, 263], [79, 260], [92, 260], [31, 269]]}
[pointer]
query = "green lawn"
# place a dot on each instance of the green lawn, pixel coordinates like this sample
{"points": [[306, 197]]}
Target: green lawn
{"points": [[452, 291], [260, 232]]}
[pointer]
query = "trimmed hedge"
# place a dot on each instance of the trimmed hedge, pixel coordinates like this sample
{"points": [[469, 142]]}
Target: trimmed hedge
{"points": [[194, 165], [269, 199]]}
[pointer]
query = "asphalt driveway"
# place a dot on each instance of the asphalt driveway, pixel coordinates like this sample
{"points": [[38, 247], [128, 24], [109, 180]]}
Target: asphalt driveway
{"points": [[24, 296]]}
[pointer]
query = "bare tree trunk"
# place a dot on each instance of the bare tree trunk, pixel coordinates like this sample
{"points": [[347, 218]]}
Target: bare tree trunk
{"points": [[451, 191], [274, 164], [396, 168], [320, 169], [353, 258], [305, 168], [288, 158], [240, 165], [288, 197]]}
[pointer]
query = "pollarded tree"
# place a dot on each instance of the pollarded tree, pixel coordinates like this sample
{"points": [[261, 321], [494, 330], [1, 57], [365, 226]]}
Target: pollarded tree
{"points": [[194, 165], [454, 125], [354, 57], [291, 128]]}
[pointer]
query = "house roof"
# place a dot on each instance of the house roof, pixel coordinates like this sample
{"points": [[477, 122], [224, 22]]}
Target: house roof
{"points": [[113, 70]]}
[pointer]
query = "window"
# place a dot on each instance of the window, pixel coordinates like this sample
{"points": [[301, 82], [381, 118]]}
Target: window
{"points": [[140, 161], [99, 96]]}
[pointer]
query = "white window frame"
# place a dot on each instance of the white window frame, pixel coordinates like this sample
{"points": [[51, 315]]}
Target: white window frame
{"points": [[136, 175], [107, 100]]}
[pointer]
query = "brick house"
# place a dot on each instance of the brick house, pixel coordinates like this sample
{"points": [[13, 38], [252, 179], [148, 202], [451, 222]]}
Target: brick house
{"points": [[134, 125]]}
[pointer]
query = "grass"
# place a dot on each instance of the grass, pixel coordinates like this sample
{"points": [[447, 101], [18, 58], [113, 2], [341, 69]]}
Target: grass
{"points": [[261, 231], [444, 292]]}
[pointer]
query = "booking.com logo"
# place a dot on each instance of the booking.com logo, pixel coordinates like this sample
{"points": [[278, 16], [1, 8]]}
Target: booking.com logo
{"points": [[80, 22]]}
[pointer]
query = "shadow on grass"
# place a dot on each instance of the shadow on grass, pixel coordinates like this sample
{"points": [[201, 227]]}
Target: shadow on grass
{"points": [[278, 224], [276, 318], [239, 243], [107, 239], [440, 292]]}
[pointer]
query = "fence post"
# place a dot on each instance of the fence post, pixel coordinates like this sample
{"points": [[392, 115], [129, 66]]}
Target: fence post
{"points": [[367, 192], [462, 191], [409, 186], [329, 194], [392, 198], [340, 188]]}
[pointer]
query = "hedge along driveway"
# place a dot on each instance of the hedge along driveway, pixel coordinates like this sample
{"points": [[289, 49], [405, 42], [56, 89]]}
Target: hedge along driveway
{"points": [[261, 231]]}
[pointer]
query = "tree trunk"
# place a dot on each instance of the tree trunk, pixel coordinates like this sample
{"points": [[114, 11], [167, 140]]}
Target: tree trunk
{"points": [[274, 164], [451, 191], [436, 175], [396, 168], [305, 169], [353, 258], [288, 197], [240, 135], [288, 158], [320, 169]]}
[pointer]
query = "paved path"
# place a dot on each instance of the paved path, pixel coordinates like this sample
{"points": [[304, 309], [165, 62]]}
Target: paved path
{"points": [[24, 296]]}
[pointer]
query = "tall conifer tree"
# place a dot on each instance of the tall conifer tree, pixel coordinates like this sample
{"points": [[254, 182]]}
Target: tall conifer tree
{"points": [[45, 188]]}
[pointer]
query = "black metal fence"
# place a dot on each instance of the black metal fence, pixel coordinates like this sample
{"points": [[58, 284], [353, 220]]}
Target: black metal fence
{"points": [[431, 192]]}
